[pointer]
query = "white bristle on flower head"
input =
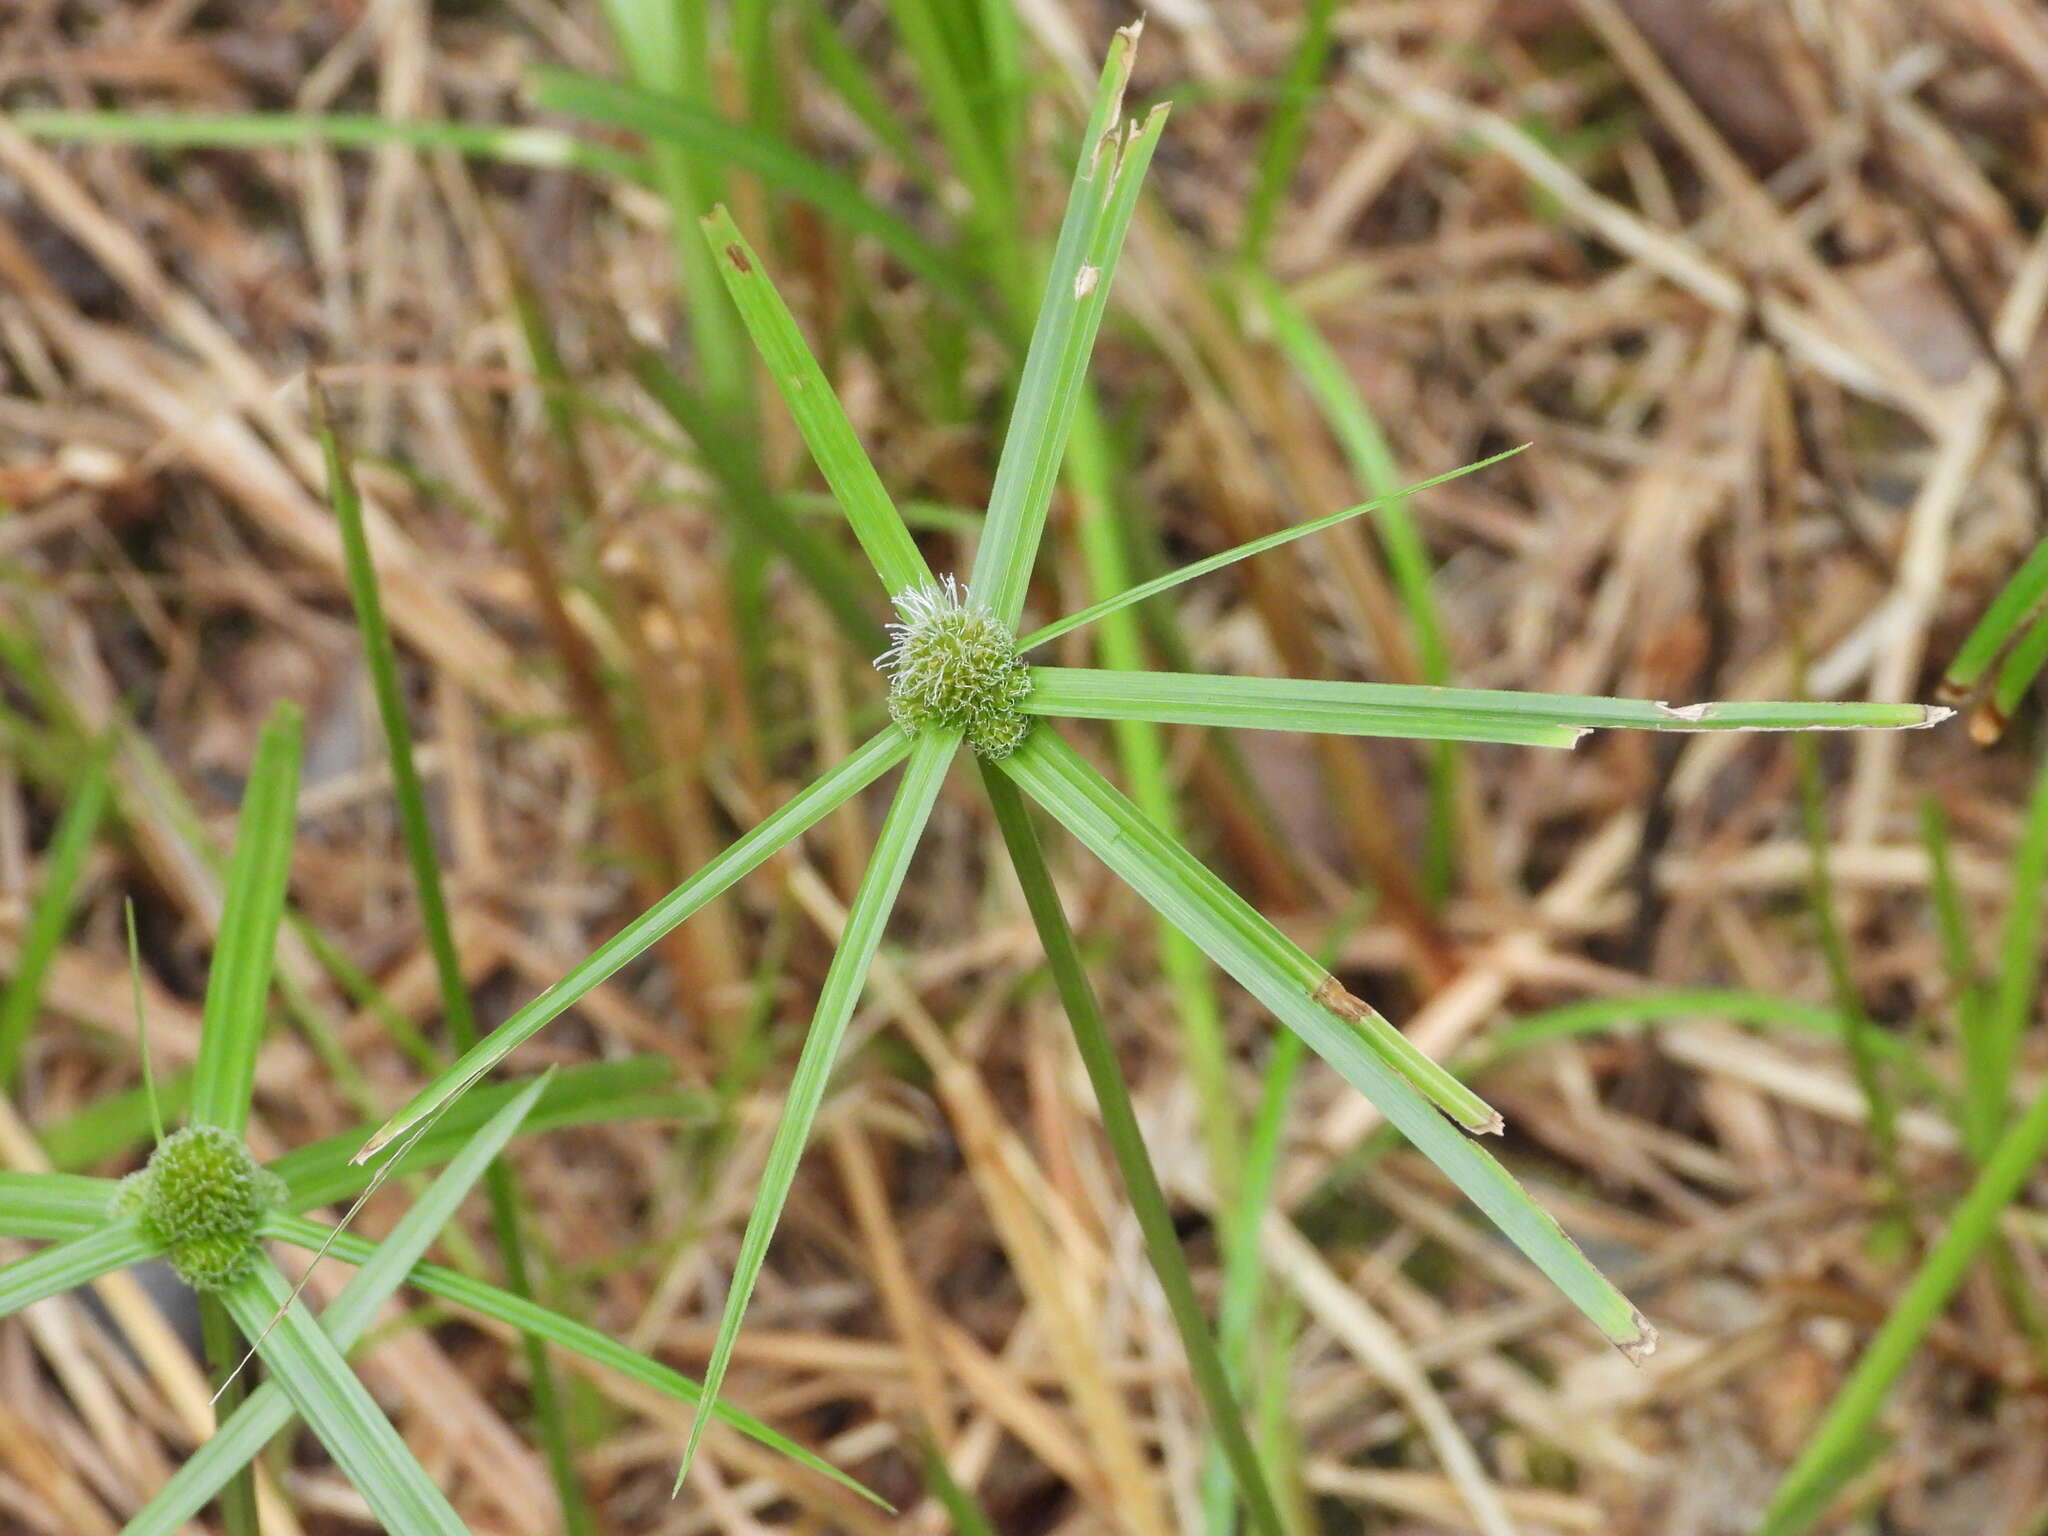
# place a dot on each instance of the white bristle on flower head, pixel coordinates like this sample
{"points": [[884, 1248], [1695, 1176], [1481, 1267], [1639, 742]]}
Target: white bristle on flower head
{"points": [[953, 665]]}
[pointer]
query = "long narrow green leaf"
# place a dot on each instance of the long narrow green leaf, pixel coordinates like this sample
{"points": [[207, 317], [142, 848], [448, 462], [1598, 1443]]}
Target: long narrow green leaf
{"points": [[337, 1407], [717, 139], [1250, 547], [1633, 1010], [113, 1123], [1275, 704], [736, 466], [1098, 523], [1846, 1429], [1425, 712], [267, 1410], [1106, 180], [224, 1351], [2008, 611], [1952, 922], [804, 810], [1278, 953], [591, 1093], [1284, 980], [1127, 1142], [1336, 394], [1286, 126], [2016, 674], [59, 1268], [818, 413], [546, 147], [238, 983], [1992, 1053], [381, 657], [848, 973], [529, 1317], [667, 51], [50, 913], [52, 1205]]}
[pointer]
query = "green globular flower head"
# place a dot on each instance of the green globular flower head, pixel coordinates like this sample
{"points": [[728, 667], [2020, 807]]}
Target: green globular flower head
{"points": [[201, 1195], [953, 665]]}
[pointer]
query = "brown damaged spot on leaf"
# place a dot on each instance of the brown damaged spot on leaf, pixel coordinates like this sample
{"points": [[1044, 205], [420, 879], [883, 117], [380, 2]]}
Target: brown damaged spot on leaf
{"points": [[738, 258], [1331, 993], [1643, 1345]]}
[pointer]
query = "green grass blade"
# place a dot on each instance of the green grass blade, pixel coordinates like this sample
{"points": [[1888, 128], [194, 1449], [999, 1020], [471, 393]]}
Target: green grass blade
{"points": [[1273, 950], [52, 1205], [135, 1003], [819, 416], [824, 795], [666, 49], [736, 466], [1336, 394], [961, 1507], [381, 658], [1993, 1061], [1634, 1010], [2017, 672], [337, 1407], [1244, 551], [54, 1270], [1294, 989], [1952, 922], [529, 1317], [543, 147], [857, 85], [1127, 1142], [50, 914], [591, 1093], [1287, 126], [238, 984], [1237, 1311], [244, 1433], [1272, 704], [114, 1122], [848, 973], [1425, 712], [224, 1353], [416, 828], [1092, 474], [723, 142], [1858, 1033], [1846, 1428], [1106, 180], [2008, 611]]}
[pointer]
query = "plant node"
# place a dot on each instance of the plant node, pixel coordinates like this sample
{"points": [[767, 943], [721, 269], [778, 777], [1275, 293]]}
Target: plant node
{"points": [[953, 665], [201, 1195]]}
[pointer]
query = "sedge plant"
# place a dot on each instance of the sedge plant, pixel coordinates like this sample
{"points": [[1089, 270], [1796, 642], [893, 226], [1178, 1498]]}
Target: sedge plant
{"points": [[960, 679], [203, 1203]]}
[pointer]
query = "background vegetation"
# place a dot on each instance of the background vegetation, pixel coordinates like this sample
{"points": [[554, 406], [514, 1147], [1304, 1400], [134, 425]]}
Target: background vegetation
{"points": [[1761, 284]]}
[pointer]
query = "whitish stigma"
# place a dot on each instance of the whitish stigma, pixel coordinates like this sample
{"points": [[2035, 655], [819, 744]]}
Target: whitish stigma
{"points": [[953, 665]]}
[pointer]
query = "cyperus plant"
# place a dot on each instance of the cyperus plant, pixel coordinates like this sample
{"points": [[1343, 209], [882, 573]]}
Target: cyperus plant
{"points": [[204, 1203], [957, 677]]}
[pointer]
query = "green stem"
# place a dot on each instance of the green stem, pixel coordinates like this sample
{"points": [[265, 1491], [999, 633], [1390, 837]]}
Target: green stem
{"points": [[1127, 1143], [1857, 1030], [1846, 1425], [224, 1349], [418, 832]]}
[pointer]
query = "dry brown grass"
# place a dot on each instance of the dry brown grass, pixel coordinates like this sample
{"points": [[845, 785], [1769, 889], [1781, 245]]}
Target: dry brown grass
{"points": [[1763, 421]]}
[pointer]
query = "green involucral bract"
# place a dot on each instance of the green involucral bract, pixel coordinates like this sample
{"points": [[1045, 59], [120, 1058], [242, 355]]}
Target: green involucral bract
{"points": [[201, 1195], [953, 665]]}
